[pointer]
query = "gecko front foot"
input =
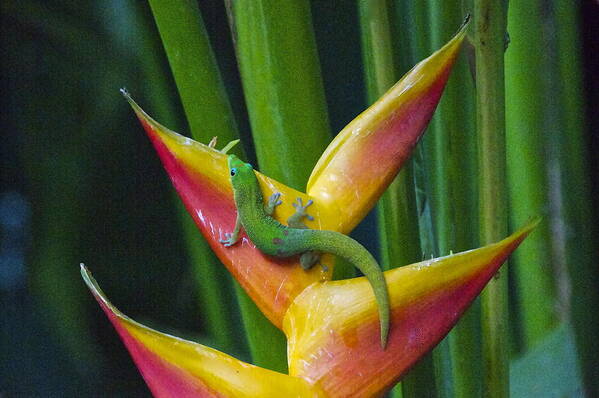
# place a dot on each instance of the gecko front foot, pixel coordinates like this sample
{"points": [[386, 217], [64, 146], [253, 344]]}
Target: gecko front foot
{"points": [[230, 239], [295, 221], [273, 202]]}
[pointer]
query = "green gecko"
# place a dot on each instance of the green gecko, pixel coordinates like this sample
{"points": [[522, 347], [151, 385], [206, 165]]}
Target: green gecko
{"points": [[275, 239]]}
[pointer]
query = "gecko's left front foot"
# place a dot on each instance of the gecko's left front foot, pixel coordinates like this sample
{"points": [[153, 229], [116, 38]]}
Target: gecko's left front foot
{"points": [[230, 239]]}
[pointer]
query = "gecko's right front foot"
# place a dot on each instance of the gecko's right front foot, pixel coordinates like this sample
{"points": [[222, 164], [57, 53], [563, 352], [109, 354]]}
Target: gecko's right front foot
{"points": [[229, 240]]}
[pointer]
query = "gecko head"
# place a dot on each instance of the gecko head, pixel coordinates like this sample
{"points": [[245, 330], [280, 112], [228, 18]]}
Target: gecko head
{"points": [[239, 170]]}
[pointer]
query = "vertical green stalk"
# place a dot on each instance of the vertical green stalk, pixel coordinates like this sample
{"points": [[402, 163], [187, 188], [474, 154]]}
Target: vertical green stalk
{"points": [[396, 212], [209, 114], [489, 42], [398, 222], [411, 19], [283, 87], [527, 71], [195, 70], [453, 158], [436, 145], [579, 247], [281, 78]]}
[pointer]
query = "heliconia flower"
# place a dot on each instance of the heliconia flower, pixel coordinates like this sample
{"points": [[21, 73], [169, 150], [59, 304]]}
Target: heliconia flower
{"points": [[344, 185], [332, 331], [332, 327]]}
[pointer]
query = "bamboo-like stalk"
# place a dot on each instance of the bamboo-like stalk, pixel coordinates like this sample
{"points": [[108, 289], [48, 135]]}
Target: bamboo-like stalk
{"points": [[489, 41], [283, 87], [578, 288], [195, 71], [436, 146], [209, 114], [453, 158], [398, 222], [412, 24], [526, 141], [281, 78]]}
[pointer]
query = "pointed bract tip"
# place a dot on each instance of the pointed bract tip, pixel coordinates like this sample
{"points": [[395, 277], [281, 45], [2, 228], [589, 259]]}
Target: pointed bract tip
{"points": [[142, 115], [530, 225], [133, 104], [83, 270], [464, 26], [465, 22]]}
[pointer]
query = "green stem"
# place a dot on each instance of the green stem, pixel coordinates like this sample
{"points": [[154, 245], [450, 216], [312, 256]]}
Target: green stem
{"points": [[397, 217], [283, 88], [280, 72], [489, 42], [195, 70], [412, 26], [209, 114], [453, 158], [579, 287], [526, 166]]}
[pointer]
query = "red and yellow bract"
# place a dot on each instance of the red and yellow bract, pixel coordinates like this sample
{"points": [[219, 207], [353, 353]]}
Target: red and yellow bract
{"points": [[332, 327], [333, 336], [349, 178]]}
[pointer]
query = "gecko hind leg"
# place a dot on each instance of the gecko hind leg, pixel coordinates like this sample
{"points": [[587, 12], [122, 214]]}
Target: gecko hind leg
{"points": [[309, 259]]}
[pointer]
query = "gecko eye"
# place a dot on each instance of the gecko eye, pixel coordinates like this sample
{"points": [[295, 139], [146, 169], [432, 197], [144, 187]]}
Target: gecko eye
{"points": [[233, 171]]}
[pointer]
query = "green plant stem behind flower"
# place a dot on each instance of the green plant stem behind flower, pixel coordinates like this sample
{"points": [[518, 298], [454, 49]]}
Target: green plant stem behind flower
{"points": [[452, 157], [412, 45], [489, 42], [208, 114], [281, 78], [396, 211], [527, 169], [576, 223]]}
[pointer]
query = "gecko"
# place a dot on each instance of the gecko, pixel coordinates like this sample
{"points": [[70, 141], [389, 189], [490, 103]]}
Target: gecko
{"points": [[279, 240]]}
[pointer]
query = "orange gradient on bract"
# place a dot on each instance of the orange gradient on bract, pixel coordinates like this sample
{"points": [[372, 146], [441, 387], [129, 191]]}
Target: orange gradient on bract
{"points": [[363, 159], [333, 330], [173, 367]]}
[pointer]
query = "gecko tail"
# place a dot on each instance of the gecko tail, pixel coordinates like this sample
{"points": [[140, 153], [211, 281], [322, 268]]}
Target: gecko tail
{"points": [[343, 246]]}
